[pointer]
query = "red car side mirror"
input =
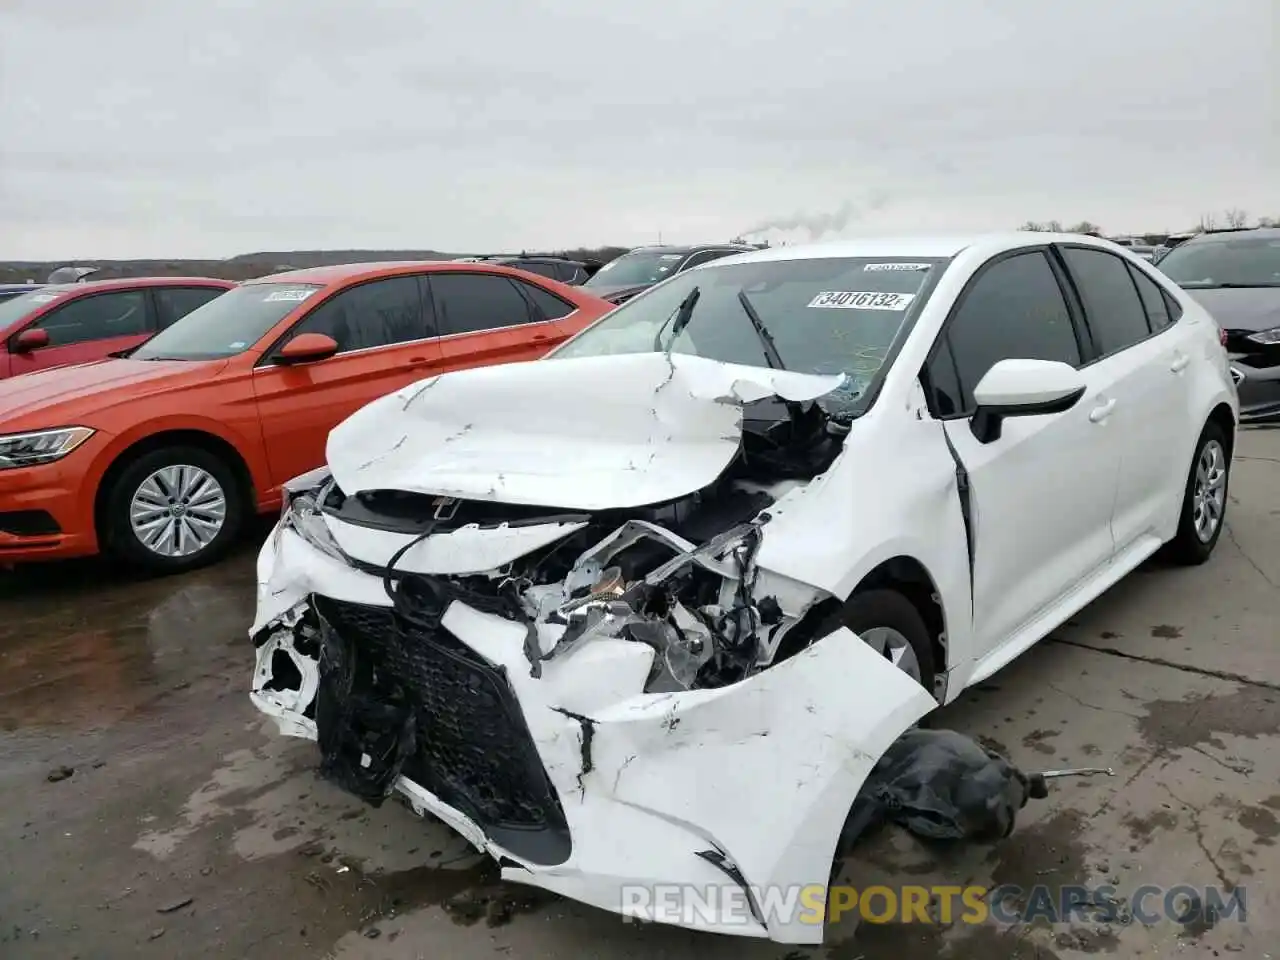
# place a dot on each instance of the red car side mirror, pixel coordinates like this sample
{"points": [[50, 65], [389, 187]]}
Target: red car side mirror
{"points": [[307, 348], [30, 339]]}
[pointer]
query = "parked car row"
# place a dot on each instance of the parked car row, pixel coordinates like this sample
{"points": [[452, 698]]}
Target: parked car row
{"points": [[52, 325], [159, 453], [1235, 275], [245, 381], [623, 278], [762, 517]]}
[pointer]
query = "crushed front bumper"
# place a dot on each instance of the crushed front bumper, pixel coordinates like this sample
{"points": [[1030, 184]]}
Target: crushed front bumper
{"points": [[576, 781]]}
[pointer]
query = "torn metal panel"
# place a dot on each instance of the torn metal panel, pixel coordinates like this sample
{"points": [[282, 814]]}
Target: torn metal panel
{"points": [[539, 667], [465, 550], [610, 751], [638, 429]]}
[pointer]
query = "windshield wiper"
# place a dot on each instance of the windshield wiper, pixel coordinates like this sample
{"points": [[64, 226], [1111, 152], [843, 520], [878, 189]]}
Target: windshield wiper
{"points": [[771, 355], [681, 320], [794, 409]]}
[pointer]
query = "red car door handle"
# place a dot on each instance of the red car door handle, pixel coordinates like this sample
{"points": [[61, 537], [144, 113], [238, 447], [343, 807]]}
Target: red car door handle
{"points": [[540, 336]]}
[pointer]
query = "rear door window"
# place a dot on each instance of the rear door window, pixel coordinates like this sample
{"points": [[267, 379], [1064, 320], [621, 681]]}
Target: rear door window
{"points": [[472, 302], [545, 302], [174, 303], [1112, 307], [1154, 300]]}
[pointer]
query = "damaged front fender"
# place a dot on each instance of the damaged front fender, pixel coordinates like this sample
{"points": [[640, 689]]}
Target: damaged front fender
{"points": [[764, 771], [745, 784]]}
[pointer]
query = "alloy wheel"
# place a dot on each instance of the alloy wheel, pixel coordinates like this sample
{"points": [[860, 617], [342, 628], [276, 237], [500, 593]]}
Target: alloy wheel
{"points": [[178, 511]]}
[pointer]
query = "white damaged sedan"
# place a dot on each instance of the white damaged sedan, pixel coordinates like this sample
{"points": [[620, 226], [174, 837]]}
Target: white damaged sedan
{"points": [[648, 611]]}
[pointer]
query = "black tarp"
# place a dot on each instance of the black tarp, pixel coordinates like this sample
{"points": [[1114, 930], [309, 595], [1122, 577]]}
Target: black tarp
{"points": [[940, 785]]}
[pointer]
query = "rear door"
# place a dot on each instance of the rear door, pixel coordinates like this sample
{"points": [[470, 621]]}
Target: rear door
{"points": [[1041, 494], [386, 340], [87, 328], [1144, 369], [488, 318], [174, 303]]}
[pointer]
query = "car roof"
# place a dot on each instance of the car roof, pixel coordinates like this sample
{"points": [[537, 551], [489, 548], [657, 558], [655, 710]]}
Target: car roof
{"points": [[515, 259], [1226, 236], [689, 248], [126, 282], [925, 246], [342, 273]]}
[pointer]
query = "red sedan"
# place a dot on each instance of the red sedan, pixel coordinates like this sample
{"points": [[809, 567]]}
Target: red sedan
{"points": [[67, 323]]}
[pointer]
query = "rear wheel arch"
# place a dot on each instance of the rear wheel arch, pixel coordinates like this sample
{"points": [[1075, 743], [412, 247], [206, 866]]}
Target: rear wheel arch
{"points": [[1225, 419]]}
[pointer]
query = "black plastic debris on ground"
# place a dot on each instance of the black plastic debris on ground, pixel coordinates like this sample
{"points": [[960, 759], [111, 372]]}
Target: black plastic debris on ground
{"points": [[940, 785]]}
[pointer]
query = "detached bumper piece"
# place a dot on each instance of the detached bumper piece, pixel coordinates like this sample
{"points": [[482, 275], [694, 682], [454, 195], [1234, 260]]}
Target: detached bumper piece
{"points": [[398, 696]]}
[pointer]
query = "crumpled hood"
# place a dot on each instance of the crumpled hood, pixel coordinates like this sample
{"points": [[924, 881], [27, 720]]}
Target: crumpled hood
{"points": [[1254, 308], [589, 433]]}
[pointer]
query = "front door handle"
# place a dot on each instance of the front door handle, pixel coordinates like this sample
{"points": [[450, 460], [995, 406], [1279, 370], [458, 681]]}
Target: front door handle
{"points": [[1102, 411], [1180, 363]]}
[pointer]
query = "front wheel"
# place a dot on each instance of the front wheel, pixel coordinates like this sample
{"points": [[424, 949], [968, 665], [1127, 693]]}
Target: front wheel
{"points": [[1204, 502], [173, 509], [891, 625]]}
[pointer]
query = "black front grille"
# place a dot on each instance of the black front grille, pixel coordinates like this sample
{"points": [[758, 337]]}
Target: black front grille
{"points": [[468, 741]]}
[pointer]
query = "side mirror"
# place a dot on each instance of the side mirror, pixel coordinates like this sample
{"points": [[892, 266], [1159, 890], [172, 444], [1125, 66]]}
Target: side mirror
{"points": [[307, 348], [1023, 388], [30, 339]]}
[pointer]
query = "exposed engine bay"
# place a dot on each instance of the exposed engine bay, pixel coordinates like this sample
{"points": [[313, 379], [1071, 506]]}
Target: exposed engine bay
{"points": [[679, 577], [537, 648]]}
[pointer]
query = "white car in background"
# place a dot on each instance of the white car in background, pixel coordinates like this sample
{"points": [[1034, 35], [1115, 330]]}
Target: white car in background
{"points": [[648, 611]]}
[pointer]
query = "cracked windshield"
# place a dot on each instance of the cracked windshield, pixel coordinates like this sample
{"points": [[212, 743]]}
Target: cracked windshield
{"points": [[822, 316]]}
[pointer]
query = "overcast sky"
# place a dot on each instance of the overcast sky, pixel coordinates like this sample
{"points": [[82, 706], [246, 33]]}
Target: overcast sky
{"points": [[137, 128]]}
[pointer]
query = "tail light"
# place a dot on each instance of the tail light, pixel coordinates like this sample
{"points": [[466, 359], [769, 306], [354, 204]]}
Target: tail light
{"points": [[1222, 336]]}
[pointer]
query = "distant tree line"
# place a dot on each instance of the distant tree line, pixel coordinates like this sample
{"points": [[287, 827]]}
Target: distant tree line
{"points": [[247, 266], [1232, 218]]}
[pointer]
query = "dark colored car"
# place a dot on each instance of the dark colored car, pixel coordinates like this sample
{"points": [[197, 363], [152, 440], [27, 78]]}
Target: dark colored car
{"points": [[573, 272], [1236, 276], [10, 290], [621, 279]]}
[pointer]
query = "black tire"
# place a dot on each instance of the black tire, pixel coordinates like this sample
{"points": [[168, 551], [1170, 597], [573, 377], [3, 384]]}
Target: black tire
{"points": [[121, 542], [1187, 548], [888, 608]]}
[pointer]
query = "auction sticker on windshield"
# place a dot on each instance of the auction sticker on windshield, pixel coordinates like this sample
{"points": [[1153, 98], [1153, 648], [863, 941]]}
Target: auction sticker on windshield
{"points": [[860, 300], [292, 295], [894, 267]]}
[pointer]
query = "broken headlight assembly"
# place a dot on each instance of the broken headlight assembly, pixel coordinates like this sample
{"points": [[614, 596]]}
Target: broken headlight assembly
{"points": [[695, 610], [300, 511], [40, 446]]}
